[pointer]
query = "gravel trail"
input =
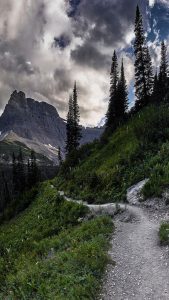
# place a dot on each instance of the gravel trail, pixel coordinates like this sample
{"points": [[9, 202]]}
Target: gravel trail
{"points": [[142, 266]]}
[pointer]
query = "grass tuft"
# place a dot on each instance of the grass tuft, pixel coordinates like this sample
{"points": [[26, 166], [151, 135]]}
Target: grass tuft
{"points": [[164, 234]]}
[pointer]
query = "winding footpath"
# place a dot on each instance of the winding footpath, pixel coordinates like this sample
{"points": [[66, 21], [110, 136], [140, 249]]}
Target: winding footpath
{"points": [[141, 271]]}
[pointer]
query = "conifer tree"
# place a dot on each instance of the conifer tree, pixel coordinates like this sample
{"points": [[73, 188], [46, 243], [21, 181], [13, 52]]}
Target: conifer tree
{"points": [[73, 128], [14, 173], [122, 96], [60, 156], [6, 191], [21, 176], [18, 170], [111, 113], [149, 73], [163, 74], [29, 175], [33, 171], [155, 94], [76, 119], [69, 127], [140, 62]]}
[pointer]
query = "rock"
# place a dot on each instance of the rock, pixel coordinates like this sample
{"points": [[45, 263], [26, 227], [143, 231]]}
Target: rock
{"points": [[166, 197], [134, 192]]}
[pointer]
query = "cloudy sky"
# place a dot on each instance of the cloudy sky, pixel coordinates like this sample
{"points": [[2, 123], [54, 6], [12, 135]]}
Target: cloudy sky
{"points": [[45, 45]]}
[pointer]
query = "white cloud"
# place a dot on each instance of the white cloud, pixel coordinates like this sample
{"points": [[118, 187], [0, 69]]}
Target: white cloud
{"points": [[165, 2], [152, 2]]}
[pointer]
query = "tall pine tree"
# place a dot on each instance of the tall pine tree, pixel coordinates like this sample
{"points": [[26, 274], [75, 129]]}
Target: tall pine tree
{"points": [[6, 190], [14, 173], [156, 91], [111, 113], [149, 72], [33, 171], [163, 74], [60, 156], [142, 94], [73, 127], [29, 175], [76, 119], [122, 96], [69, 127], [21, 172]]}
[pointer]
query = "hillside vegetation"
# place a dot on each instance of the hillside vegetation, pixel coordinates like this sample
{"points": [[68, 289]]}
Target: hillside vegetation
{"points": [[51, 251], [102, 171], [164, 233]]}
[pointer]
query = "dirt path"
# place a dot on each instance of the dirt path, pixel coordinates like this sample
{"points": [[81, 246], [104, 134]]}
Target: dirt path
{"points": [[142, 266]]}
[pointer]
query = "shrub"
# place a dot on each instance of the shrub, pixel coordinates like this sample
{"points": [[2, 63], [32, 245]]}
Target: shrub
{"points": [[164, 233]]}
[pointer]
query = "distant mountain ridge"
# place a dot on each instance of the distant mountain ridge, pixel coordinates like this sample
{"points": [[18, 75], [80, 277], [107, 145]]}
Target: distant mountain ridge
{"points": [[38, 125]]}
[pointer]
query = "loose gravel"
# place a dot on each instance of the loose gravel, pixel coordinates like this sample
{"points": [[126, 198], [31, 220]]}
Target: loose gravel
{"points": [[141, 270]]}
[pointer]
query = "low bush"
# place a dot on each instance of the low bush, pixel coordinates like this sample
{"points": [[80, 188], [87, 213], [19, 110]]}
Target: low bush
{"points": [[159, 173], [164, 233], [19, 204]]}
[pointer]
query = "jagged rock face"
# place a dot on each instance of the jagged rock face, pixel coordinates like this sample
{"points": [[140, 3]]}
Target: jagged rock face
{"points": [[38, 122], [33, 120]]}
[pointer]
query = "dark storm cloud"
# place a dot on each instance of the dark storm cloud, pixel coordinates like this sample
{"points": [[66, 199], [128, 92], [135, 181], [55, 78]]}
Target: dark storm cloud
{"points": [[73, 7], [17, 64], [88, 55], [12, 62], [102, 22], [63, 79]]}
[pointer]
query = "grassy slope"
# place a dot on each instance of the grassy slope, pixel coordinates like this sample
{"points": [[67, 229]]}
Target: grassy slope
{"points": [[136, 150], [48, 253]]}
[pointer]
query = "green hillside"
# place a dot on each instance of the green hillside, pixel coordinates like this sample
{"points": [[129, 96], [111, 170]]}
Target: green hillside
{"points": [[51, 251], [139, 149]]}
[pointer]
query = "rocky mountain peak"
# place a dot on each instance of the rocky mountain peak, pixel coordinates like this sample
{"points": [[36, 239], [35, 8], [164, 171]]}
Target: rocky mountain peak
{"points": [[19, 100], [17, 97], [39, 124], [32, 119]]}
